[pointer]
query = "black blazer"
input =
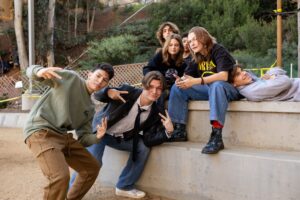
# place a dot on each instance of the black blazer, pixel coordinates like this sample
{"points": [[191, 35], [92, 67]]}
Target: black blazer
{"points": [[153, 129]]}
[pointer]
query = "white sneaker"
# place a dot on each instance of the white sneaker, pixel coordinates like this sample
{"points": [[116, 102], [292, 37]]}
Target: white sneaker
{"points": [[134, 193]]}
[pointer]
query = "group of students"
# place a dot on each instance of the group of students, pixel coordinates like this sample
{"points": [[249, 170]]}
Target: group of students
{"points": [[192, 67]]}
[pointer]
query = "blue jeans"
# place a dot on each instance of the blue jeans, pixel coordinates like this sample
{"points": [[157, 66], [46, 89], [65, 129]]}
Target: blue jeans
{"points": [[133, 170], [219, 93]]}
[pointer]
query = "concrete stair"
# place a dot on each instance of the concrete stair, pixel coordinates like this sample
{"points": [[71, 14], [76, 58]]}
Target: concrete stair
{"points": [[180, 171], [261, 159], [267, 125]]}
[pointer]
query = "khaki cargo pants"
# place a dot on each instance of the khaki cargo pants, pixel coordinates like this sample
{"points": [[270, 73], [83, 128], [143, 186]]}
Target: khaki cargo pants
{"points": [[55, 153]]}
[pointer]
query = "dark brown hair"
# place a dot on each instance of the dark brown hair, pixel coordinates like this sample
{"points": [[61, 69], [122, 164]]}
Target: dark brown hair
{"points": [[232, 73], [165, 53], [108, 68], [153, 75], [159, 32]]}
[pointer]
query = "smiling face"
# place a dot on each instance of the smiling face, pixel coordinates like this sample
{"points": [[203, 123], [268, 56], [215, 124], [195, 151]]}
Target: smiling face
{"points": [[97, 80], [241, 78], [173, 47], [153, 92], [195, 45]]}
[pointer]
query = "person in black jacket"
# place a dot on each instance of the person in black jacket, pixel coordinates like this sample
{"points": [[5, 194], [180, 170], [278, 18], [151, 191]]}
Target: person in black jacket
{"points": [[168, 61], [124, 133]]}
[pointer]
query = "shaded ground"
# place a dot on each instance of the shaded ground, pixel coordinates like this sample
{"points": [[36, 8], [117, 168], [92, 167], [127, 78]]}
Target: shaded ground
{"points": [[21, 179]]}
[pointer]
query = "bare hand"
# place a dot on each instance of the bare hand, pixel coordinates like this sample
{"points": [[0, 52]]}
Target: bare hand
{"points": [[178, 78], [167, 122], [116, 94], [186, 83], [101, 129], [49, 73], [268, 76]]}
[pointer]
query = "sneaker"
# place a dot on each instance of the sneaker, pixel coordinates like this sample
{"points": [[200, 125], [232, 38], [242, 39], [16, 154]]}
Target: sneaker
{"points": [[134, 193]]}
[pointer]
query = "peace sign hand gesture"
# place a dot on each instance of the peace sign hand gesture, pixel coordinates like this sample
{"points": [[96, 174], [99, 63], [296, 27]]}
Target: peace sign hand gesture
{"points": [[101, 129], [167, 122], [116, 94]]}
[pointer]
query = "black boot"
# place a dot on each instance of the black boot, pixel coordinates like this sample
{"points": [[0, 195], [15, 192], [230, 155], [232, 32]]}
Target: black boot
{"points": [[215, 143], [179, 134]]}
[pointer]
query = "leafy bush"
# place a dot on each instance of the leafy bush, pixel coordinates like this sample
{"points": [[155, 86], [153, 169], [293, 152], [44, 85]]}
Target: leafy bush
{"points": [[145, 38], [3, 104], [255, 60], [114, 50], [258, 37]]}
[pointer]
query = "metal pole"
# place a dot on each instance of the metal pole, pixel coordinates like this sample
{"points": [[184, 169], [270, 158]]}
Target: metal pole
{"points": [[31, 37], [279, 33]]}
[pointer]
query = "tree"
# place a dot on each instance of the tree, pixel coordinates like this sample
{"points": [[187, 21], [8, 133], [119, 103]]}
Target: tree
{"points": [[75, 18], [50, 29], [23, 58]]}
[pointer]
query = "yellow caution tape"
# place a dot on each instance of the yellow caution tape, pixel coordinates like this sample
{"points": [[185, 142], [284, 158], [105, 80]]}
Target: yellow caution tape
{"points": [[12, 99], [278, 10], [15, 98]]}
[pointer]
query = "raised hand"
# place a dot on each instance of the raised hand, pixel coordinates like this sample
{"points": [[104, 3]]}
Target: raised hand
{"points": [[167, 122], [116, 94], [101, 129], [49, 73]]}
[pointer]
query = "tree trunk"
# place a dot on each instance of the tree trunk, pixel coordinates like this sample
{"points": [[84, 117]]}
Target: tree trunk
{"points": [[69, 23], [50, 29], [93, 17], [76, 15], [23, 57], [88, 16]]}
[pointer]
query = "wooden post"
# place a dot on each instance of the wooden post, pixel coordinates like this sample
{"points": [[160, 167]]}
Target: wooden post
{"points": [[279, 33]]}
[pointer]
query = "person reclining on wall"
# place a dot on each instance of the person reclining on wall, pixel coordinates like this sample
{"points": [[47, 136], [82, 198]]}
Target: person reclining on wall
{"points": [[275, 85]]}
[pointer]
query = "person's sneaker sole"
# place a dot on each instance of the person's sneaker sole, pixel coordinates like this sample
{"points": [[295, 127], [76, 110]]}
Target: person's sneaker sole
{"points": [[124, 193]]}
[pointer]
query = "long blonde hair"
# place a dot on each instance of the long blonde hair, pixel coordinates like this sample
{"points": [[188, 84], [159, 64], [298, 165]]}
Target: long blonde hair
{"points": [[208, 41], [165, 53]]}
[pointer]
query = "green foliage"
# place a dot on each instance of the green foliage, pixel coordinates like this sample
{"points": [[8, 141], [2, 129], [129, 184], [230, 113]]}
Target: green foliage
{"points": [[222, 18], [254, 60], [145, 38], [3, 104], [131, 8], [114, 50], [258, 37]]}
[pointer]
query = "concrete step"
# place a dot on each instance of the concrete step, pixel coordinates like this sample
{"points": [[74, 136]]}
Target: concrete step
{"points": [[268, 125], [180, 171], [13, 119]]}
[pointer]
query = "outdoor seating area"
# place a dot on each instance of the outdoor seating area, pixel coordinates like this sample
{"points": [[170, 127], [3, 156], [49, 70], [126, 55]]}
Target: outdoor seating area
{"points": [[252, 166], [150, 100]]}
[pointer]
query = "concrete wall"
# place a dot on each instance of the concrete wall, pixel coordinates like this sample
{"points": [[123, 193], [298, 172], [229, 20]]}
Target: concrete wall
{"points": [[261, 159]]}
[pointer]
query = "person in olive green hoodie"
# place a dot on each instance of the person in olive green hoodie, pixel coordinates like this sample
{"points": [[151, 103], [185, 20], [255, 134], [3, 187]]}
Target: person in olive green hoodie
{"points": [[66, 106]]}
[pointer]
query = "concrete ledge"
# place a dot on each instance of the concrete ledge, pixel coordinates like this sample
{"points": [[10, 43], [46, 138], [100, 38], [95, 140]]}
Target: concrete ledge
{"points": [[13, 120], [268, 125], [180, 171], [248, 106]]}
